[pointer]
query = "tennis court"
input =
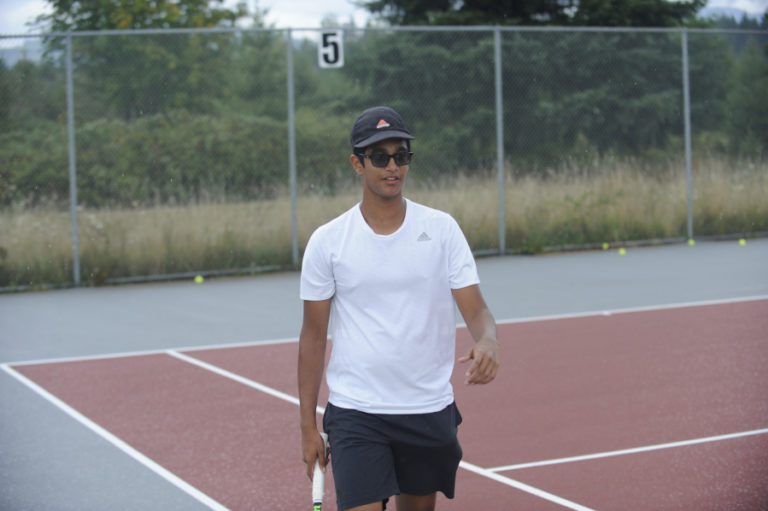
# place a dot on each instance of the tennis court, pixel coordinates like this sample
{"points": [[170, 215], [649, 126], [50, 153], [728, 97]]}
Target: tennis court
{"points": [[627, 382]]}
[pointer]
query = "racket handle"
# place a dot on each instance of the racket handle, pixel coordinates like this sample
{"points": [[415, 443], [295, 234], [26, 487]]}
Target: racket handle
{"points": [[318, 478]]}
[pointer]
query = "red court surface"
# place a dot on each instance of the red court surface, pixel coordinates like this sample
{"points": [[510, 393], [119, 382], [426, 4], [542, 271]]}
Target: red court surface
{"points": [[646, 410]]}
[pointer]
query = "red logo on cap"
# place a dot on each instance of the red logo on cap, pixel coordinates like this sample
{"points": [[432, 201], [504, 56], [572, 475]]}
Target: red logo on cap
{"points": [[382, 124]]}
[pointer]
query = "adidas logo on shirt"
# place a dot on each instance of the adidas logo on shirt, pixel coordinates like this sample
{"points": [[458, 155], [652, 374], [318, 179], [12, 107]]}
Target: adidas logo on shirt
{"points": [[424, 237]]}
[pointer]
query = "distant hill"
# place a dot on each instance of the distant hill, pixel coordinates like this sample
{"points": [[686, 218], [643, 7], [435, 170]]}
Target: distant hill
{"points": [[727, 12], [28, 49]]}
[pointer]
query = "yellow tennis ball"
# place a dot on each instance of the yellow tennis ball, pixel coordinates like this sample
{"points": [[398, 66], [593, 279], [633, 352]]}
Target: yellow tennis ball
{"points": [[742, 242], [622, 252], [691, 242], [199, 279], [606, 246]]}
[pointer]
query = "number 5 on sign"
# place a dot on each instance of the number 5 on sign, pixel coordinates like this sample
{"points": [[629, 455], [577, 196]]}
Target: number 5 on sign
{"points": [[330, 52]]}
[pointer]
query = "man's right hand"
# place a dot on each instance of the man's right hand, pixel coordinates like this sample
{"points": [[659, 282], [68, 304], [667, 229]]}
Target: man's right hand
{"points": [[313, 448]]}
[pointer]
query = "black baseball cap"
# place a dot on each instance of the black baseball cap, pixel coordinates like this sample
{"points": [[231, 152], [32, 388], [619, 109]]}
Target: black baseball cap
{"points": [[377, 124]]}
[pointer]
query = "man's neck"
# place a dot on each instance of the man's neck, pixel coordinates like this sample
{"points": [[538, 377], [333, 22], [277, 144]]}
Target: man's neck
{"points": [[384, 216]]}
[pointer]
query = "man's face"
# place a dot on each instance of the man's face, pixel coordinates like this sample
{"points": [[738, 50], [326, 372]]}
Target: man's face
{"points": [[385, 182]]}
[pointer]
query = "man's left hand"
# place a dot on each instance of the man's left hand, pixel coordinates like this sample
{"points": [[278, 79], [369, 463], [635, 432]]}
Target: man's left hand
{"points": [[485, 361]]}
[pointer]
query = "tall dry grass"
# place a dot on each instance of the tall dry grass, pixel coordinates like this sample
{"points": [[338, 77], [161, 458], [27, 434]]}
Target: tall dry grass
{"points": [[620, 203], [614, 202]]}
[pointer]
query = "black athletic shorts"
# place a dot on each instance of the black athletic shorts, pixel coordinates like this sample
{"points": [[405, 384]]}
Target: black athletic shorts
{"points": [[375, 456]]}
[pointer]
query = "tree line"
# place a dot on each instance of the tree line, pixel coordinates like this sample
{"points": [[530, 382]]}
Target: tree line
{"points": [[196, 116]]}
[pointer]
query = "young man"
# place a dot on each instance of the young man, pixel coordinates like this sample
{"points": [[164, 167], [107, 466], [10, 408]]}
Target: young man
{"points": [[386, 275]]}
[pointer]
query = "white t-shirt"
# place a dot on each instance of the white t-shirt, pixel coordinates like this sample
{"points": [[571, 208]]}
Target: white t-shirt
{"points": [[393, 320]]}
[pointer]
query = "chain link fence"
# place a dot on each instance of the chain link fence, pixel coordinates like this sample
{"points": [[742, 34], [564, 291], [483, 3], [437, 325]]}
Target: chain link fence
{"points": [[129, 156]]}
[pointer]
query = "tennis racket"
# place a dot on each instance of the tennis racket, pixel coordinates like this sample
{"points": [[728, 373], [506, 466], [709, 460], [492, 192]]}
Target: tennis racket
{"points": [[318, 479]]}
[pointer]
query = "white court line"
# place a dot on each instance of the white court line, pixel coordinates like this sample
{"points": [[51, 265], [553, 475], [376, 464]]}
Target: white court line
{"points": [[635, 450], [117, 442], [530, 319], [291, 399], [647, 308], [159, 351], [239, 379], [522, 486]]}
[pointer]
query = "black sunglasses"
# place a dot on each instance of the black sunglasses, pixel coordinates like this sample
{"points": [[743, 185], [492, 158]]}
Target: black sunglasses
{"points": [[381, 160]]}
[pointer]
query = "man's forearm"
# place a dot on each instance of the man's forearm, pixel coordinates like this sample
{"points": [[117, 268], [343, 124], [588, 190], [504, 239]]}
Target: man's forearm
{"points": [[310, 371], [482, 325]]}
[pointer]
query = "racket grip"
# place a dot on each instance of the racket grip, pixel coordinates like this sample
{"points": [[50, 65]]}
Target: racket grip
{"points": [[318, 478]]}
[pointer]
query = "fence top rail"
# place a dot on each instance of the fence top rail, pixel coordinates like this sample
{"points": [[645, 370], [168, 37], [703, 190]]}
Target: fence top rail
{"points": [[410, 28]]}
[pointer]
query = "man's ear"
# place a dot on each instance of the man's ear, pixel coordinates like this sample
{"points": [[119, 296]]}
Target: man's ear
{"points": [[355, 161]]}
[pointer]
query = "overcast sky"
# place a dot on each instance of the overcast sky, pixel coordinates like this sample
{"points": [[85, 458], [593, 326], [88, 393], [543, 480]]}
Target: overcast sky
{"points": [[282, 13]]}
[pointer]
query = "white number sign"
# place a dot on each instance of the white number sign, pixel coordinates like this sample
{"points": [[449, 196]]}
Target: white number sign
{"points": [[330, 51]]}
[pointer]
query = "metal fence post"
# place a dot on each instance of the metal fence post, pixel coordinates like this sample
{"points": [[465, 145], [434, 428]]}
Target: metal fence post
{"points": [[292, 149], [499, 138], [687, 121], [72, 165]]}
